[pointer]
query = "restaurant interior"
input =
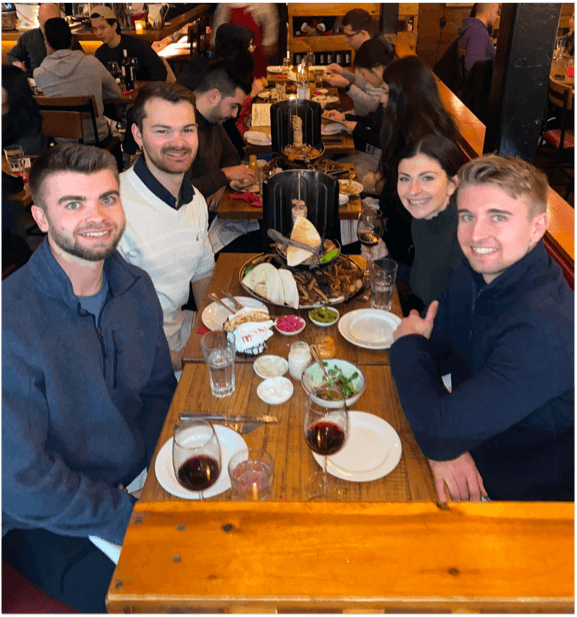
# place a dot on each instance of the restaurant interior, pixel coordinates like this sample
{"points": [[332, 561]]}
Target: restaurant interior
{"points": [[381, 541]]}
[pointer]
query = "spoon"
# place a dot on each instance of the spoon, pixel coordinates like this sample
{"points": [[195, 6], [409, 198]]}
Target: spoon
{"points": [[317, 357]]}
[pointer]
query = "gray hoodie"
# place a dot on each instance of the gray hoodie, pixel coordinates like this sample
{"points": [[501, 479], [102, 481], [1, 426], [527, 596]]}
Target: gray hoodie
{"points": [[72, 73]]}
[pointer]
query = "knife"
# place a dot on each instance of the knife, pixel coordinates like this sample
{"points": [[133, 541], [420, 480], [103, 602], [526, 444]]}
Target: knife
{"points": [[189, 415]]}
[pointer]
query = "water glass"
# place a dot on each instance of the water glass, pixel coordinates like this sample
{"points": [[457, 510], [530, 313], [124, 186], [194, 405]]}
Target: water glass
{"points": [[251, 472], [281, 90], [382, 275], [286, 65], [219, 355], [15, 158], [319, 78]]}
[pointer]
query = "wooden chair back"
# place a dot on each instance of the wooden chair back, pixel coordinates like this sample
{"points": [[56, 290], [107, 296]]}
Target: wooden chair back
{"points": [[560, 95], [64, 116], [198, 37]]}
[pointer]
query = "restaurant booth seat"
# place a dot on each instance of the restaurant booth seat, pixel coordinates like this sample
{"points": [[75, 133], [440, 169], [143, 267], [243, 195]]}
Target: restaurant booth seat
{"points": [[281, 124], [320, 194], [19, 596]]}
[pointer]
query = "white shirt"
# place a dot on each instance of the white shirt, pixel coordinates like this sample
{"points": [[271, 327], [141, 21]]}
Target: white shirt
{"points": [[171, 245]]}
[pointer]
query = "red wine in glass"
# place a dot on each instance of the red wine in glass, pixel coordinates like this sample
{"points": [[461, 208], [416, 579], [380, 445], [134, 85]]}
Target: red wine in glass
{"points": [[325, 438], [368, 238], [199, 472]]}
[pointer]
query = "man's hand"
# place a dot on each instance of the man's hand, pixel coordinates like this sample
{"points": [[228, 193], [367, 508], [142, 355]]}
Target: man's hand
{"points": [[239, 172], [374, 252], [414, 324], [333, 114], [350, 126], [19, 64], [335, 69], [212, 201], [461, 477], [337, 80], [176, 357], [257, 86]]}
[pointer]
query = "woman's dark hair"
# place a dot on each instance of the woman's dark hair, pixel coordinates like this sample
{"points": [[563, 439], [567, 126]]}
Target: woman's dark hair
{"points": [[436, 147], [414, 109], [23, 117], [233, 33], [375, 52]]}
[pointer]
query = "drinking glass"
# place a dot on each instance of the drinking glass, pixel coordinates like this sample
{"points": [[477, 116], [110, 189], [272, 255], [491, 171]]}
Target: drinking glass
{"points": [[369, 229], [310, 59], [219, 355], [286, 65], [15, 158], [196, 455], [280, 87], [251, 472], [326, 431], [382, 274]]}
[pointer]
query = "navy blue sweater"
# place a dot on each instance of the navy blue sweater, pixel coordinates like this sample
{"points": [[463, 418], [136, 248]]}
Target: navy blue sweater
{"points": [[512, 366], [82, 408]]}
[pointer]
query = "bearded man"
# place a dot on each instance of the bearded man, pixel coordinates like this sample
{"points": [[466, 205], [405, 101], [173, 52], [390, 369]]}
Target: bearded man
{"points": [[86, 381]]}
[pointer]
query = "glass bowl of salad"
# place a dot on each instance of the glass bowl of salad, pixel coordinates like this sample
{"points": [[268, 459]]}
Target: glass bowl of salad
{"points": [[342, 374]]}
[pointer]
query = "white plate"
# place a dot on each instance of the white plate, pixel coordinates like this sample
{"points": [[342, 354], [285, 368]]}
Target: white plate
{"points": [[356, 186], [230, 443], [214, 315], [325, 98], [372, 450], [275, 391], [369, 328], [275, 366], [268, 94], [256, 138], [332, 129], [243, 185], [318, 68], [274, 69]]}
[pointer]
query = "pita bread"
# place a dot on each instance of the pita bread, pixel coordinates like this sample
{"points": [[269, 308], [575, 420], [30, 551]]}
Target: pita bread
{"points": [[305, 233], [265, 281], [290, 290]]}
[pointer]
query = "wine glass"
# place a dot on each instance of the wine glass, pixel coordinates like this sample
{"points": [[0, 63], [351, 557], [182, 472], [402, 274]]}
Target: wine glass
{"points": [[369, 229], [326, 430], [196, 455]]}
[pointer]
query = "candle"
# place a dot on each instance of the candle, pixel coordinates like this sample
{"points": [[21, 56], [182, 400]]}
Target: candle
{"points": [[139, 26]]}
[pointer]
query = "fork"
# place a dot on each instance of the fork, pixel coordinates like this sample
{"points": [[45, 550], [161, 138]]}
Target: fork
{"points": [[237, 304]]}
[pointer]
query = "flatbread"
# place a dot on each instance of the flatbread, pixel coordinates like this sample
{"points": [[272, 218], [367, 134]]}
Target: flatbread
{"points": [[265, 281], [305, 233], [290, 289]]}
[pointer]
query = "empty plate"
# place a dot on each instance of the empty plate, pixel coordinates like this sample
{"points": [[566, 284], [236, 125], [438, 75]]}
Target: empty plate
{"points": [[373, 449], [369, 328]]}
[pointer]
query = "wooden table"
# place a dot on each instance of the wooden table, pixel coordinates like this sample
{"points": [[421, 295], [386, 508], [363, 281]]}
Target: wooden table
{"points": [[238, 209], [226, 276], [203, 557]]}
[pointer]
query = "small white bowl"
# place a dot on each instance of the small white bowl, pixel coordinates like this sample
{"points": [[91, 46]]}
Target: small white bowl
{"points": [[270, 366], [275, 391], [343, 199], [303, 324], [312, 380], [323, 324]]}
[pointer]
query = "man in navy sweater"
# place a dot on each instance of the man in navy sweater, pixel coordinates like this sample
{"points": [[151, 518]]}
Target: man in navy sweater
{"points": [[506, 323], [86, 381]]}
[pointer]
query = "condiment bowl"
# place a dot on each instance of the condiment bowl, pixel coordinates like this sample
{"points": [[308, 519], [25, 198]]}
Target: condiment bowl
{"points": [[324, 324], [313, 379], [282, 319]]}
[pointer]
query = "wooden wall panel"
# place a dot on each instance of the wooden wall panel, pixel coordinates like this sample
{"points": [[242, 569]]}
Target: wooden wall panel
{"points": [[433, 42]]}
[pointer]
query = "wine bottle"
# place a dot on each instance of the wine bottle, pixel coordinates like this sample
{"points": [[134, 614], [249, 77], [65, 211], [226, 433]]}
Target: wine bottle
{"points": [[127, 68]]}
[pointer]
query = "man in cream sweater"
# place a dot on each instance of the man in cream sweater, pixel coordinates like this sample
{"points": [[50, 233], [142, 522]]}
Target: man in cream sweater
{"points": [[166, 217]]}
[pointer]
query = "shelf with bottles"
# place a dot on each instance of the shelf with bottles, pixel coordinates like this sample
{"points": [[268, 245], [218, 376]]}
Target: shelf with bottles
{"points": [[317, 27]]}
